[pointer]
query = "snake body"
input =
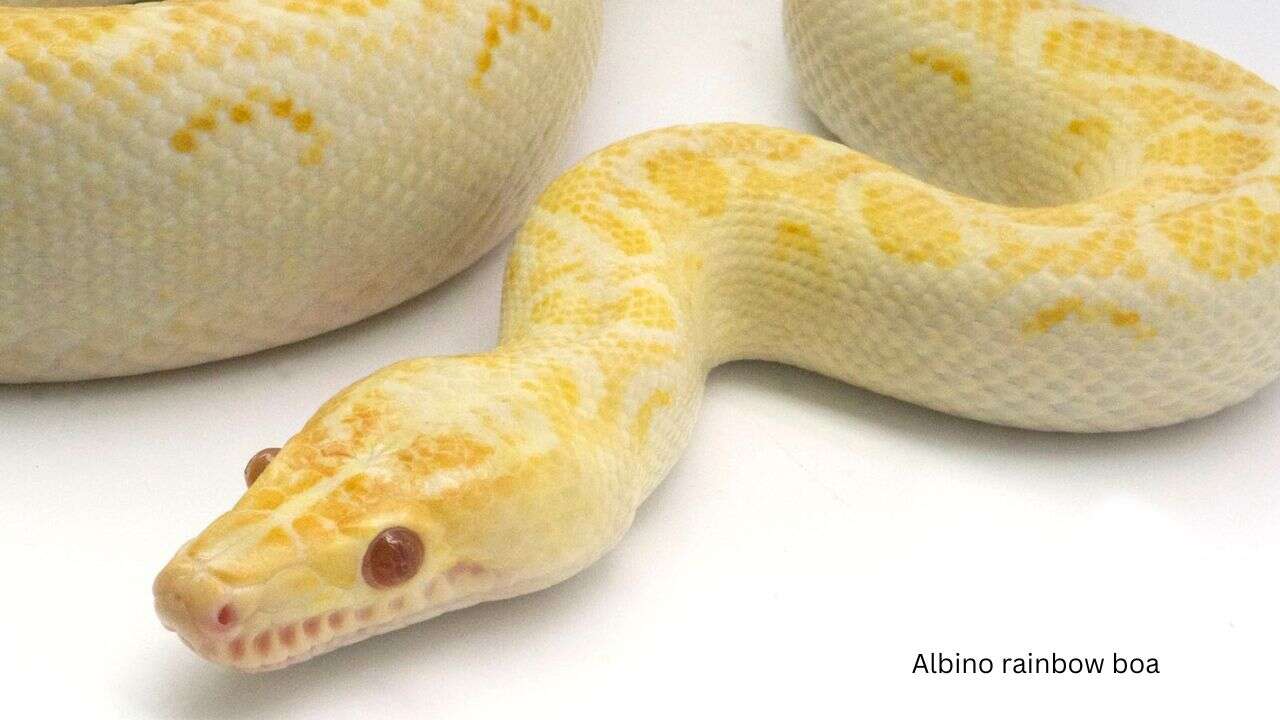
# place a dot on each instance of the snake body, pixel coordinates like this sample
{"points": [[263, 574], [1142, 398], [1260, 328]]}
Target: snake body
{"points": [[191, 180], [1081, 233]]}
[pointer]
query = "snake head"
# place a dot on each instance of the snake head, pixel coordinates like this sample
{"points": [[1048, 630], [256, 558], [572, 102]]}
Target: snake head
{"points": [[429, 486]]}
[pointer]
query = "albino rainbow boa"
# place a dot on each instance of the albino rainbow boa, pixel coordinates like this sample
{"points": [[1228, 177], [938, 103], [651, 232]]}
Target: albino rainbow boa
{"points": [[1091, 245]]}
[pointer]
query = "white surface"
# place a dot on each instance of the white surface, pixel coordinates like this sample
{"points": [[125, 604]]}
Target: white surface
{"points": [[812, 541]]}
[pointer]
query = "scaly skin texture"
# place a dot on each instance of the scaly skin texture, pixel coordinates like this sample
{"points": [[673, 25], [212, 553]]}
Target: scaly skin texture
{"points": [[196, 179], [1091, 245]]}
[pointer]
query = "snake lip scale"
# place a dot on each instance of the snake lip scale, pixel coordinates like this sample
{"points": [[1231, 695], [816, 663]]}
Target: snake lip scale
{"points": [[1054, 219], [274, 653], [272, 646]]}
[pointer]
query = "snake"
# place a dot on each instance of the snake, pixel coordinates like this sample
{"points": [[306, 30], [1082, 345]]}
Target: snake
{"points": [[1040, 215], [192, 180]]}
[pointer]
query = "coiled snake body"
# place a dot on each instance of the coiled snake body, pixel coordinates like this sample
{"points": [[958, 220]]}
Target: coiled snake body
{"points": [[192, 180], [1083, 235]]}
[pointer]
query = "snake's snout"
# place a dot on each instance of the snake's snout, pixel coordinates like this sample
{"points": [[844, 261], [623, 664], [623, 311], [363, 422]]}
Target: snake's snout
{"points": [[195, 605]]}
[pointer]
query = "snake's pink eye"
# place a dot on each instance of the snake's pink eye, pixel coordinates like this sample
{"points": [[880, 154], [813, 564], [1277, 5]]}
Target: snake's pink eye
{"points": [[393, 557], [258, 463]]}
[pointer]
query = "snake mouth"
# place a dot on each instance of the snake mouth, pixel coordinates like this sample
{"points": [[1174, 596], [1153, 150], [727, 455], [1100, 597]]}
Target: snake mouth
{"points": [[257, 646], [259, 642]]}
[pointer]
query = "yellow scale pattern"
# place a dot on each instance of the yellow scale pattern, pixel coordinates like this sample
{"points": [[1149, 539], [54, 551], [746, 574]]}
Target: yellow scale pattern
{"points": [[1147, 294], [505, 22]]}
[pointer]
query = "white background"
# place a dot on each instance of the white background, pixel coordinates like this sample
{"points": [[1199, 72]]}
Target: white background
{"points": [[813, 540]]}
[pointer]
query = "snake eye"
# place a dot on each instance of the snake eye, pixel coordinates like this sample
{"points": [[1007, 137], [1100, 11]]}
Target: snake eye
{"points": [[393, 557], [258, 463]]}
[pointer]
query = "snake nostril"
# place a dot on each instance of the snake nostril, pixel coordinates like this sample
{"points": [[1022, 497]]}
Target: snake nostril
{"points": [[227, 616]]}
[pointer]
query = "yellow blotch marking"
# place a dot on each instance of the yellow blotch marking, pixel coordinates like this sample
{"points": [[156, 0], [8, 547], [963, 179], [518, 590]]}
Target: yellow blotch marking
{"points": [[1231, 239], [547, 273], [1159, 107], [361, 420], [945, 63], [203, 123], [432, 453], [265, 499], [313, 155], [241, 114], [1095, 130], [315, 39], [1076, 308], [337, 563], [991, 21], [536, 263], [645, 307], [281, 44], [815, 186], [83, 70], [509, 20], [276, 539], [694, 180], [1063, 216], [911, 225], [293, 582], [641, 306], [359, 489], [1053, 316], [796, 238], [1218, 153], [139, 73], [558, 396], [290, 481], [559, 308], [1110, 48], [621, 361], [644, 416], [564, 388], [245, 50], [796, 244], [748, 140], [1126, 318], [21, 91], [331, 8], [186, 139], [63, 34], [183, 141], [630, 239], [582, 191], [310, 529], [41, 71], [444, 7], [256, 564], [168, 63], [1102, 254], [340, 510], [575, 188]]}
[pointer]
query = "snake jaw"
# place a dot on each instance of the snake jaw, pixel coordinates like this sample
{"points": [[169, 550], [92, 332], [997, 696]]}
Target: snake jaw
{"points": [[259, 643], [223, 625], [269, 625]]}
